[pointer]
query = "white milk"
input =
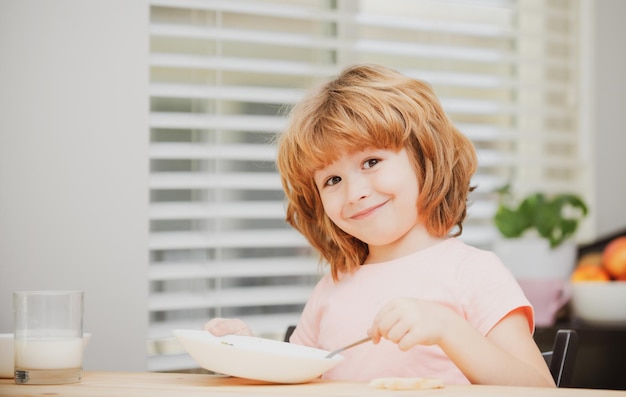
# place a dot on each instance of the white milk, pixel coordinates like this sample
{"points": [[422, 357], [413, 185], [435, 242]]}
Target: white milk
{"points": [[48, 353]]}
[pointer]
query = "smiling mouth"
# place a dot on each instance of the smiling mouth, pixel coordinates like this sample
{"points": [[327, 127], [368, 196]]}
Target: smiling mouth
{"points": [[367, 212]]}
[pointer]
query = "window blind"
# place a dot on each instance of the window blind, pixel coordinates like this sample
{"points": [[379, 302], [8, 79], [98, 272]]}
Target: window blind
{"points": [[223, 75]]}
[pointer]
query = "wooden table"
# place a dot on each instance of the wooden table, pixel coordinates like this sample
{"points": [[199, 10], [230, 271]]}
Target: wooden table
{"points": [[152, 384]]}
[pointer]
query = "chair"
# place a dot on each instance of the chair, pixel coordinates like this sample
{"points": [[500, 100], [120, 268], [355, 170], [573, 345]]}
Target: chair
{"points": [[562, 357], [288, 333]]}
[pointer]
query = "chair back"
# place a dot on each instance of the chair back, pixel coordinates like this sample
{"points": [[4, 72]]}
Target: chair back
{"points": [[288, 333], [562, 358]]}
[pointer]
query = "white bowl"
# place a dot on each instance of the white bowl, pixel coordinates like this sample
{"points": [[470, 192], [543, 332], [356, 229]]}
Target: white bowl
{"points": [[598, 302], [6, 355], [255, 358], [7, 369]]}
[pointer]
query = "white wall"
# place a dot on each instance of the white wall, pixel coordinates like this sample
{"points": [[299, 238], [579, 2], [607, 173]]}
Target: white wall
{"points": [[609, 105], [73, 164], [74, 168]]}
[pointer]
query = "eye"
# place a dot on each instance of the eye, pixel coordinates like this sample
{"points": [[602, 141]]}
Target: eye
{"points": [[333, 180], [370, 163]]}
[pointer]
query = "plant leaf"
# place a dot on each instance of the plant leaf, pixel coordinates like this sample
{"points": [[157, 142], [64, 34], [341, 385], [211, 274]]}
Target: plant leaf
{"points": [[509, 223], [555, 219]]}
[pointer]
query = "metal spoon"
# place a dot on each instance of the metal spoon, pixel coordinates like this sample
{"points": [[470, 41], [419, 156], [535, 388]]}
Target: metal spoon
{"points": [[334, 352]]}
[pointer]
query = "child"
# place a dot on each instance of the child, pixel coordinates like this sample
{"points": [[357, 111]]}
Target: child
{"points": [[377, 178]]}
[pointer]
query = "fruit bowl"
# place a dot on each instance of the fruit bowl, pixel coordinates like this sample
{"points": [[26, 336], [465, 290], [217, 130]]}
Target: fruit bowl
{"points": [[599, 302]]}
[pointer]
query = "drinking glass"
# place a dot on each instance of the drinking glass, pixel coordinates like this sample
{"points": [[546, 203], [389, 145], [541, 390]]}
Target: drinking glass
{"points": [[48, 332]]}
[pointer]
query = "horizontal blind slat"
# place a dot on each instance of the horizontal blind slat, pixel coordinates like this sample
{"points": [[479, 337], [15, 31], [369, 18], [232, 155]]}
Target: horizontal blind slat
{"points": [[476, 55], [226, 239], [251, 65], [260, 8], [248, 296], [265, 267], [436, 25], [226, 209], [199, 180], [229, 93], [250, 123], [274, 324], [171, 362], [180, 150], [245, 36]]}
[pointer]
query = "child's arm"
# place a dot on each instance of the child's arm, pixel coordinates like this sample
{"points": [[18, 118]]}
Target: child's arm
{"points": [[508, 355]]}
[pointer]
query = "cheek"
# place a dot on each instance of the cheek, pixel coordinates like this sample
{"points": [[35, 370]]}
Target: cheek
{"points": [[332, 207], [407, 190]]}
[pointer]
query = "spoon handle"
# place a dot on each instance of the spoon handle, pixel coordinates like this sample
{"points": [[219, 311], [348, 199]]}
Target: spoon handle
{"points": [[334, 352]]}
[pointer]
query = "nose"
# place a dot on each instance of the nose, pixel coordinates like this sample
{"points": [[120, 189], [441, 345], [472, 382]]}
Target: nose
{"points": [[357, 188]]}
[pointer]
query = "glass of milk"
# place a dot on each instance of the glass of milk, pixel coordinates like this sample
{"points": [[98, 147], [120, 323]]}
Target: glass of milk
{"points": [[48, 336]]}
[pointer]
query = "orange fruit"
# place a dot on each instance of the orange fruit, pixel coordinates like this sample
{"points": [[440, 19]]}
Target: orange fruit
{"points": [[590, 272], [614, 258], [591, 258]]}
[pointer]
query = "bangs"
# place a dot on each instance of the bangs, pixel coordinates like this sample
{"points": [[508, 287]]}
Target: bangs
{"points": [[344, 126]]}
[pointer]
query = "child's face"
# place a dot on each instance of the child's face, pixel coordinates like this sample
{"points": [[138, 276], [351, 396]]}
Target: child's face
{"points": [[371, 195]]}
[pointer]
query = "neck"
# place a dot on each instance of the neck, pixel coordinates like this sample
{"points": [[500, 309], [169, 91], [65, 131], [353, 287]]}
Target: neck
{"points": [[415, 240]]}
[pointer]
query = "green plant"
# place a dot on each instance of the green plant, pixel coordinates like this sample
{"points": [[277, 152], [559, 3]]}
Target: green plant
{"points": [[554, 217]]}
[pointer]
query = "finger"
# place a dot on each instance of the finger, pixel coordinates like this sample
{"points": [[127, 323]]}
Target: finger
{"points": [[386, 323], [244, 331], [408, 341], [378, 328], [212, 324], [217, 326], [374, 334], [236, 326], [220, 327], [397, 332]]}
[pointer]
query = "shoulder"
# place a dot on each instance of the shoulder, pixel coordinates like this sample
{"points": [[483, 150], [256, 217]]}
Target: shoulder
{"points": [[458, 256], [473, 256], [323, 287], [476, 268]]}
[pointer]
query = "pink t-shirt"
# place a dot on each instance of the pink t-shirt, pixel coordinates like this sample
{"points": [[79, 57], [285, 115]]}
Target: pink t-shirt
{"points": [[472, 282]]}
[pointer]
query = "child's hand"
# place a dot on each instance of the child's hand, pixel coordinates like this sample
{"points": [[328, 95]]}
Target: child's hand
{"points": [[227, 326], [409, 322]]}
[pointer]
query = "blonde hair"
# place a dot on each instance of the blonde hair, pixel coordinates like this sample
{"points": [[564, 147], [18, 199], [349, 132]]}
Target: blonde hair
{"points": [[373, 106]]}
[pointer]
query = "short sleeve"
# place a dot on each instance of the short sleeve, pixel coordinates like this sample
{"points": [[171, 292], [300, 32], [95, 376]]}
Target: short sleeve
{"points": [[492, 292]]}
